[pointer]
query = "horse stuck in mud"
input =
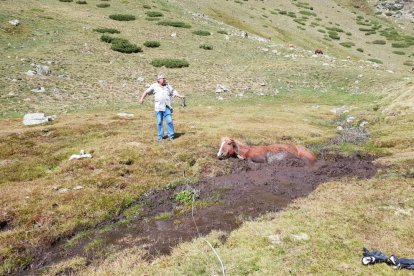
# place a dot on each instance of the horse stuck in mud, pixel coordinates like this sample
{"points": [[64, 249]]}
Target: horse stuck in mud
{"points": [[263, 154]]}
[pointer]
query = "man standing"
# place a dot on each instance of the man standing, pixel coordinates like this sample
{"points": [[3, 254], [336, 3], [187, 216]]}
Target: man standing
{"points": [[163, 93]]}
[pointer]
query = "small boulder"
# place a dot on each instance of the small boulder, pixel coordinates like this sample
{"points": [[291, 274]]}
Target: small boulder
{"points": [[39, 89], [80, 156], [221, 88], [15, 22], [125, 115], [43, 70], [36, 118]]}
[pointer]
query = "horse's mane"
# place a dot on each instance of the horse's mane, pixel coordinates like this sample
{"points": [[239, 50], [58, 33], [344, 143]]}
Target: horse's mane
{"points": [[231, 139]]}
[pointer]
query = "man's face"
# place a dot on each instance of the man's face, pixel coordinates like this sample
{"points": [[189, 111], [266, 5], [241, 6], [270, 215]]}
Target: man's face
{"points": [[162, 81]]}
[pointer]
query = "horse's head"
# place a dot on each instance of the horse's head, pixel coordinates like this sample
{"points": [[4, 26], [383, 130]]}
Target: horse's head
{"points": [[228, 148]]}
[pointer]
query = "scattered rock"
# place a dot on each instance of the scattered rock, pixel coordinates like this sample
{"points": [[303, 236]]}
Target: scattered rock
{"points": [[37, 118], [264, 49], [174, 35], [125, 115], [275, 239], [339, 128], [43, 70], [350, 119], [317, 106], [300, 237], [79, 187], [221, 88], [404, 212], [363, 123], [39, 89], [102, 82], [30, 73], [340, 110], [15, 22], [63, 190], [80, 156]]}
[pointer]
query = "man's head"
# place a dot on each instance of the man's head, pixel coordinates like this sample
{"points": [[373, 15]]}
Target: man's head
{"points": [[161, 79]]}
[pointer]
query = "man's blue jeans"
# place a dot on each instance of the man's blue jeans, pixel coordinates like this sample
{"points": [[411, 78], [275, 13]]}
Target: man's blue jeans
{"points": [[161, 115]]}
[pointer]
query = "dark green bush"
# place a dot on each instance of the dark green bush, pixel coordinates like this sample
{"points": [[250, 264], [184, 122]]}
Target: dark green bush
{"points": [[399, 45], [170, 63], [124, 46], [335, 29], [66, 0], [380, 42], [401, 53], [291, 14], [146, 7], [333, 35], [283, 12], [103, 5], [366, 29], [152, 44], [409, 63], [202, 33], [122, 17], [206, 46], [81, 2], [177, 24], [106, 30], [360, 50], [154, 14], [308, 13], [375, 60], [347, 44], [222, 32], [321, 31]]}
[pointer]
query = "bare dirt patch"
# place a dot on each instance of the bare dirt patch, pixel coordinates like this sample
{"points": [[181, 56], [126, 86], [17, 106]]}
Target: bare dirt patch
{"points": [[221, 203]]}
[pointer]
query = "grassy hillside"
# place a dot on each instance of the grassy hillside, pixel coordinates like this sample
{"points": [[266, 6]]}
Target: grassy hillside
{"points": [[279, 92]]}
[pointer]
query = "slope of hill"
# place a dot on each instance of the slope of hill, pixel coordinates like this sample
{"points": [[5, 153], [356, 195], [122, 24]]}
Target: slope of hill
{"points": [[279, 91]]}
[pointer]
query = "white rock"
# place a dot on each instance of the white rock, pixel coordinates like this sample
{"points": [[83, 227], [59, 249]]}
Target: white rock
{"points": [[300, 237], [126, 115], [350, 119], [174, 35], [102, 82], [226, 37], [339, 128], [36, 118], [221, 88], [39, 89], [43, 70], [220, 98], [264, 49], [78, 187], [80, 156], [390, 71], [275, 239], [63, 190], [317, 106], [31, 73], [364, 123], [15, 22]]}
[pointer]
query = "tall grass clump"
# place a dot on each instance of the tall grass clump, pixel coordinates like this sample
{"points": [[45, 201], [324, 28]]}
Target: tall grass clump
{"points": [[401, 53], [151, 44], [333, 35], [176, 24], [66, 1], [335, 29], [202, 33], [169, 63], [375, 60], [399, 45], [81, 2], [409, 63], [154, 14], [122, 17], [360, 50], [110, 39], [106, 30], [222, 32], [103, 5], [379, 42]]}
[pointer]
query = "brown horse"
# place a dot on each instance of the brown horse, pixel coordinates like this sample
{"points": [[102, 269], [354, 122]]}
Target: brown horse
{"points": [[318, 52], [262, 154]]}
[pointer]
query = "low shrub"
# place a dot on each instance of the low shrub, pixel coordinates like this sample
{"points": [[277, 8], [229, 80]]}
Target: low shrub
{"points": [[399, 45], [185, 197], [176, 24], [108, 38], [347, 44], [375, 60], [308, 13], [146, 7], [333, 35], [360, 50], [81, 2], [206, 46], [335, 29], [202, 33], [154, 14], [124, 46], [379, 42], [291, 14], [170, 63], [103, 5], [283, 12], [106, 30], [409, 63], [366, 29], [321, 31], [401, 53], [222, 32], [151, 44], [122, 17], [66, 0]]}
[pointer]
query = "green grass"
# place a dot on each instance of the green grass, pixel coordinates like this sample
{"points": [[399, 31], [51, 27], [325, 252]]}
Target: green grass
{"points": [[107, 30], [152, 44], [201, 33], [124, 46], [154, 14], [379, 42], [206, 46], [347, 44], [375, 60], [103, 5]]}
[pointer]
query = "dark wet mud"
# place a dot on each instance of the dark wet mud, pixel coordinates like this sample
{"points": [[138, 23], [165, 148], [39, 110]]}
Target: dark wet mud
{"points": [[221, 203]]}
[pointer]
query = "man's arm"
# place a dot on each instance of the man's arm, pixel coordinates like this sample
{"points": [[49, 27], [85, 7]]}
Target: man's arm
{"points": [[143, 97]]}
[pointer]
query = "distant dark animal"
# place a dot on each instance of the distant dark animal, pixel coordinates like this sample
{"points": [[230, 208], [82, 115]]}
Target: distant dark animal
{"points": [[262, 154], [318, 52], [412, 69]]}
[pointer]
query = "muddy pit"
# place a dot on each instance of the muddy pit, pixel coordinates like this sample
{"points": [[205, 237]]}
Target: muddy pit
{"points": [[222, 203]]}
